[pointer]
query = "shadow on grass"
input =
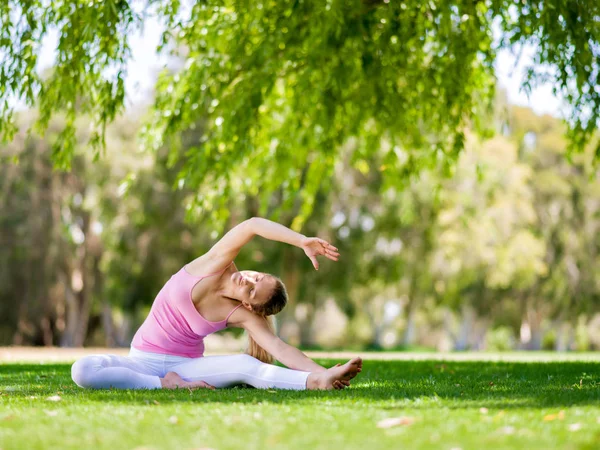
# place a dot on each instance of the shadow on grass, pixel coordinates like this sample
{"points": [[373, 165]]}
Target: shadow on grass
{"points": [[385, 384]]}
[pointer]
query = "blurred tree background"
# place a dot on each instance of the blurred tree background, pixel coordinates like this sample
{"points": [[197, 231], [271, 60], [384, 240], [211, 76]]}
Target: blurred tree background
{"points": [[501, 255], [463, 222]]}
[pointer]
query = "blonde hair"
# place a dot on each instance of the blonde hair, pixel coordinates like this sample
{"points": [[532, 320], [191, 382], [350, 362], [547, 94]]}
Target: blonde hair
{"points": [[276, 303]]}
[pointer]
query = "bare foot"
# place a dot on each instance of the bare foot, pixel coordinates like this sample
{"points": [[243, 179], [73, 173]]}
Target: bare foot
{"points": [[340, 384], [173, 381], [336, 377]]}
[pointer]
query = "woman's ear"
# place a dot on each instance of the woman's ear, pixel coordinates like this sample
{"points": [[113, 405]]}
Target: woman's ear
{"points": [[247, 305]]}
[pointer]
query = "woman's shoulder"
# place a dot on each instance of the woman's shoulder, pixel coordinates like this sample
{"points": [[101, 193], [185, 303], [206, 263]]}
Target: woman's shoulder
{"points": [[243, 318]]}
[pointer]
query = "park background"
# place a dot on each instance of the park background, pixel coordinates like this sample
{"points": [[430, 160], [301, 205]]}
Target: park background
{"points": [[496, 251], [448, 148]]}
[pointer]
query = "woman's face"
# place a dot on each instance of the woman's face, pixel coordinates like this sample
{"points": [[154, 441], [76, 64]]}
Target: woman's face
{"points": [[253, 287]]}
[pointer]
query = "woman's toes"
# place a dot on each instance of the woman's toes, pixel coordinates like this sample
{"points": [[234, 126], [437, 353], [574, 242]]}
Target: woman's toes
{"points": [[200, 384]]}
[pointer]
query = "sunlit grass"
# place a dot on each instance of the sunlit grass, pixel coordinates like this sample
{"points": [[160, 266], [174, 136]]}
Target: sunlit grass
{"points": [[446, 404]]}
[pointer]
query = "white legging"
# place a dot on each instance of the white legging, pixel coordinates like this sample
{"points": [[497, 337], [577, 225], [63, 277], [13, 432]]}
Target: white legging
{"points": [[143, 370]]}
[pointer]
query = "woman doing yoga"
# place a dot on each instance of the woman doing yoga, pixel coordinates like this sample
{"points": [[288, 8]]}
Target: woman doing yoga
{"points": [[208, 295]]}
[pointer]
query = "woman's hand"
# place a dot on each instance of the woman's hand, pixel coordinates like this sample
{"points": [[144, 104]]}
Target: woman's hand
{"points": [[315, 246]]}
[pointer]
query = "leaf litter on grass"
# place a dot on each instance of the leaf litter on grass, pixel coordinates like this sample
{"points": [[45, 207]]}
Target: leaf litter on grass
{"points": [[551, 417], [395, 422]]}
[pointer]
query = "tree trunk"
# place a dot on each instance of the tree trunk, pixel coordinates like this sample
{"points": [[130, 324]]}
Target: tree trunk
{"points": [[448, 323], [378, 335], [23, 327], [480, 335], [307, 338], [88, 269], [561, 342], [123, 333], [466, 326], [108, 325], [47, 335], [408, 337], [72, 312], [531, 330], [291, 279]]}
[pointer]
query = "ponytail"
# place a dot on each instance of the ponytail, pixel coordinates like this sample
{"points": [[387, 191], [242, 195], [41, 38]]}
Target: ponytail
{"points": [[276, 303], [256, 350]]}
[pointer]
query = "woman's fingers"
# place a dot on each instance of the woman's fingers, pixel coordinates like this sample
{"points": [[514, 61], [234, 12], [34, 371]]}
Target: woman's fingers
{"points": [[329, 253], [327, 245], [332, 255], [330, 247]]}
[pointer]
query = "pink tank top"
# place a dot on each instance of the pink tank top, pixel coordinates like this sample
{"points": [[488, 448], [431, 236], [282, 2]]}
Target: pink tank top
{"points": [[174, 326]]}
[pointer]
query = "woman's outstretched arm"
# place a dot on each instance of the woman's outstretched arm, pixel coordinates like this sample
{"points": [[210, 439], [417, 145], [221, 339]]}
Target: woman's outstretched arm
{"points": [[311, 246], [241, 234], [228, 247], [288, 355]]}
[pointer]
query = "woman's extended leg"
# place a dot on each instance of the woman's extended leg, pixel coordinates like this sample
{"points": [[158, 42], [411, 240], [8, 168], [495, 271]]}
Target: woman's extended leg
{"points": [[120, 372], [225, 371]]}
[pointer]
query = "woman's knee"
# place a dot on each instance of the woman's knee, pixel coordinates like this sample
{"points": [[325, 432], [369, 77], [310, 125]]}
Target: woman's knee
{"points": [[246, 360], [83, 370]]}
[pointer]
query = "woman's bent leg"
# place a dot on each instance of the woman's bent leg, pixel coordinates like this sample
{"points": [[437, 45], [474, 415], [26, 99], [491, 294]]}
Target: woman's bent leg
{"points": [[106, 371], [225, 371]]}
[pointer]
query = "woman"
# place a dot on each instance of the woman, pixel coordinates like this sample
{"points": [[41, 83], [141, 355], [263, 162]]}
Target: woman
{"points": [[207, 295]]}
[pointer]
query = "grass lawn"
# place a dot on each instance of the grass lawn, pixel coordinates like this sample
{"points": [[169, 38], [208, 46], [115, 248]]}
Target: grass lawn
{"points": [[442, 404]]}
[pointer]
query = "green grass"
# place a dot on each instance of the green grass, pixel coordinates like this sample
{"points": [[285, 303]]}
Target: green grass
{"points": [[445, 399]]}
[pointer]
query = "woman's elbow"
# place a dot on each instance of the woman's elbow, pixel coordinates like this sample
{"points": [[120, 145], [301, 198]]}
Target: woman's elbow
{"points": [[249, 223], [252, 220]]}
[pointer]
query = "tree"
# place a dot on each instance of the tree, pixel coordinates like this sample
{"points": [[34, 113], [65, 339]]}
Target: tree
{"points": [[567, 208], [486, 251], [51, 248], [282, 83]]}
